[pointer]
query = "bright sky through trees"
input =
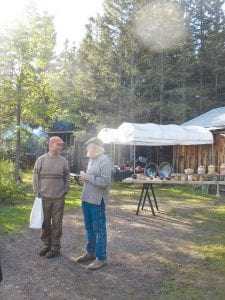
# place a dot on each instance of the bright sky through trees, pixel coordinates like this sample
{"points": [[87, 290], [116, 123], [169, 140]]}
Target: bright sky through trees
{"points": [[70, 15]]}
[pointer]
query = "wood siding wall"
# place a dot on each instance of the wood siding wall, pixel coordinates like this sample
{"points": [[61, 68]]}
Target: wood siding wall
{"points": [[193, 156]]}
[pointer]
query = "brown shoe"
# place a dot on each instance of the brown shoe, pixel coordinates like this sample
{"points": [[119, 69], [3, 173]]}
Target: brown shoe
{"points": [[52, 253], [44, 251], [85, 257], [97, 264]]}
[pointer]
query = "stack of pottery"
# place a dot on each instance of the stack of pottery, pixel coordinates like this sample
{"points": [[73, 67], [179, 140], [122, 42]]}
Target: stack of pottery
{"points": [[189, 172], [201, 172]]}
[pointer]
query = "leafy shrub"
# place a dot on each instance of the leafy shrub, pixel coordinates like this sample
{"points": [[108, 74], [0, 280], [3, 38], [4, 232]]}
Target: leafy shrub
{"points": [[10, 191]]}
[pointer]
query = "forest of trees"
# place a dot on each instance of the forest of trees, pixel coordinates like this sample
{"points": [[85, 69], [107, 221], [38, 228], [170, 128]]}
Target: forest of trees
{"points": [[140, 61]]}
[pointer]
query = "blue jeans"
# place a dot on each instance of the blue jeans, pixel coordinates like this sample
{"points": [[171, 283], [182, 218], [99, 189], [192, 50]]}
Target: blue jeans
{"points": [[95, 225]]}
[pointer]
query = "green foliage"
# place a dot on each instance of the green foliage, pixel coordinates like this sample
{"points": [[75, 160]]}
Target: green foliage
{"points": [[15, 210], [121, 78], [114, 75], [28, 97], [11, 193]]}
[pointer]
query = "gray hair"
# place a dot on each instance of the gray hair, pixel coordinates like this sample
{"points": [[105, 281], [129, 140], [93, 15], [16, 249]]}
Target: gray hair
{"points": [[99, 149]]}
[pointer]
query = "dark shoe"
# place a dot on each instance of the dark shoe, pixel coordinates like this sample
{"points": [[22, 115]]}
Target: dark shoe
{"points": [[52, 253], [44, 251], [85, 257], [97, 264]]}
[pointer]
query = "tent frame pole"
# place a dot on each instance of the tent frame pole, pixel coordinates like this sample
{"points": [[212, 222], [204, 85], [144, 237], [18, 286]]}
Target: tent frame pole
{"points": [[134, 157]]}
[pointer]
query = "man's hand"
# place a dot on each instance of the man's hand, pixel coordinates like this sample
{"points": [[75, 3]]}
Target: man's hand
{"points": [[83, 176]]}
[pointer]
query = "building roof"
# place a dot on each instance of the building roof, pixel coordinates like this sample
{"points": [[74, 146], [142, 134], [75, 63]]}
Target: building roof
{"points": [[213, 119]]}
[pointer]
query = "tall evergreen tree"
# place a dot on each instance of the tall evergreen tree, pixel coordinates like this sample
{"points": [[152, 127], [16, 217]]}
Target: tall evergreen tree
{"points": [[206, 34], [215, 53]]}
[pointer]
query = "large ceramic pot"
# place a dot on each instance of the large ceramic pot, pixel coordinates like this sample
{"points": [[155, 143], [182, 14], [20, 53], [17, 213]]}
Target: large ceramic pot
{"points": [[222, 169], [201, 170], [211, 169]]}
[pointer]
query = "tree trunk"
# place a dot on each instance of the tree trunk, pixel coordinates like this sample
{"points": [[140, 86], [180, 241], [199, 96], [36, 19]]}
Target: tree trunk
{"points": [[161, 89], [17, 175]]}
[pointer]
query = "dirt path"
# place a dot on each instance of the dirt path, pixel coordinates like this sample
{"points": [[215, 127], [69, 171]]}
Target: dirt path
{"points": [[145, 253]]}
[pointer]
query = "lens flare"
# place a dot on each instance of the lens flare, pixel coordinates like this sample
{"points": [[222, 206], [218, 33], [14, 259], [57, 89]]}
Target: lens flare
{"points": [[160, 26]]}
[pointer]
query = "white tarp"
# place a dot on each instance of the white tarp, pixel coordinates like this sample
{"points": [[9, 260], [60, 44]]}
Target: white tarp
{"points": [[150, 134], [108, 135]]}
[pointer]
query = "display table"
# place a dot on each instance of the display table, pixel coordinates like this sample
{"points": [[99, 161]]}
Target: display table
{"points": [[147, 191]]}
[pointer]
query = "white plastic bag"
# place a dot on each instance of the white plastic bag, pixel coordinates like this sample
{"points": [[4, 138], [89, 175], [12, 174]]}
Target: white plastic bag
{"points": [[36, 216]]}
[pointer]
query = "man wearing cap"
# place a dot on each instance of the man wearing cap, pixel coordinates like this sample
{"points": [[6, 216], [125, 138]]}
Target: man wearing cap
{"points": [[95, 196], [51, 182]]}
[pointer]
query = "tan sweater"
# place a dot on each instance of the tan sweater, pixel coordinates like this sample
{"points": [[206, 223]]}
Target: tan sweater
{"points": [[51, 176]]}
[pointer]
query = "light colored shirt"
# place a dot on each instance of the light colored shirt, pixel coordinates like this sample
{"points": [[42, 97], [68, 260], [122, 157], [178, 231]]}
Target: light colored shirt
{"points": [[96, 187]]}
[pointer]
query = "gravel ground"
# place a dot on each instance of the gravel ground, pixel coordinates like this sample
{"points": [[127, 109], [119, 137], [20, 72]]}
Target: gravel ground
{"points": [[143, 253]]}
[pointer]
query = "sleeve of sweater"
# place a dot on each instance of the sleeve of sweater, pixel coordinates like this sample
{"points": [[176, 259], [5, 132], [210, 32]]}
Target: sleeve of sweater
{"points": [[35, 179], [104, 179], [66, 176]]}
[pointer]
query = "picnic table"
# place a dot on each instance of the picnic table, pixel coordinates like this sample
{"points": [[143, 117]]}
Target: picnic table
{"points": [[147, 190]]}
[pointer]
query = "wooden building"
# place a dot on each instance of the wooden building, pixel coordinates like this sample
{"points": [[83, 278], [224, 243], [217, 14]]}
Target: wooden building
{"points": [[195, 155], [74, 150]]}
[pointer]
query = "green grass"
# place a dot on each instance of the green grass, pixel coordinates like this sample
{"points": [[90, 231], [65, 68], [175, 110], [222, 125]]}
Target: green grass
{"points": [[12, 219], [73, 198], [15, 217], [205, 215]]}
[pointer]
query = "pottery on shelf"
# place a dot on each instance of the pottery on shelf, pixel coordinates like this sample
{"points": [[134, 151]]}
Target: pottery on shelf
{"points": [[201, 170]]}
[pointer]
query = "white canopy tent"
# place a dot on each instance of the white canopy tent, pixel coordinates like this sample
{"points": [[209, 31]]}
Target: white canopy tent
{"points": [[150, 134], [108, 135]]}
